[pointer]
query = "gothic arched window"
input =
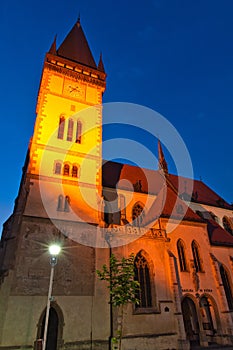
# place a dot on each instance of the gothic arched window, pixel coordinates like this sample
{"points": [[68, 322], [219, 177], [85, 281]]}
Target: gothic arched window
{"points": [[74, 171], [70, 130], [108, 217], [57, 169], [181, 255], [66, 170], [196, 257], [61, 128], [60, 203], [137, 214], [79, 132], [67, 204], [227, 287], [142, 275]]}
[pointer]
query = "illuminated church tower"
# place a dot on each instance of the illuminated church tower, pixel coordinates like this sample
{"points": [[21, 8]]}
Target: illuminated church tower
{"points": [[65, 152], [178, 229]]}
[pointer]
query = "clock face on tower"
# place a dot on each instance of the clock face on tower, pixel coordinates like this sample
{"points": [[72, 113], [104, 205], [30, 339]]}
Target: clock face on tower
{"points": [[74, 89]]}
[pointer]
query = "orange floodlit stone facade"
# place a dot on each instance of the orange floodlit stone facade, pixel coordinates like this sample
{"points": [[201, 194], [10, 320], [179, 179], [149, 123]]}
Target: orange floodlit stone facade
{"points": [[179, 230]]}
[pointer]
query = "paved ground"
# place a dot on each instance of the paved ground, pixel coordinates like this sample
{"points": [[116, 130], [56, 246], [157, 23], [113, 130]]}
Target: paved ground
{"points": [[213, 347]]}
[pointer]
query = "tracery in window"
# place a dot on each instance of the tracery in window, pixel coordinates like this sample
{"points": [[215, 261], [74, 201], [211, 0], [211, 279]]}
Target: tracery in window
{"points": [[70, 130], [61, 128], [79, 132], [181, 255], [142, 275], [196, 257], [137, 214]]}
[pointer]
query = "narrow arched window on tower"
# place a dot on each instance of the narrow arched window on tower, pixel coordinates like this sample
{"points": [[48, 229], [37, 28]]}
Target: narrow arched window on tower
{"points": [[181, 255], [61, 128], [196, 257], [57, 169], [74, 171], [67, 204], [60, 203], [79, 132], [70, 130], [66, 170], [142, 275]]}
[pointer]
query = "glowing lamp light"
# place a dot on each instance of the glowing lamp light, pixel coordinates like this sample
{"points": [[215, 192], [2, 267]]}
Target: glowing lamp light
{"points": [[54, 249]]}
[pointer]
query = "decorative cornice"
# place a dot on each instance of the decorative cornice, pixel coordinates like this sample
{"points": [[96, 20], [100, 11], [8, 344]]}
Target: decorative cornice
{"points": [[77, 71]]}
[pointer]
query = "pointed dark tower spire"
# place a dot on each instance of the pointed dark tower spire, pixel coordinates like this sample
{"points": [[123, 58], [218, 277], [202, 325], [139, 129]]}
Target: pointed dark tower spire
{"points": [[101, 64], [162, 161], [75, 47], [53, 48]]}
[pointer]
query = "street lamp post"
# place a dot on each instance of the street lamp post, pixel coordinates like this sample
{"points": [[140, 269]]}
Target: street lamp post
{"points": [[108, 237], [54, 250]]}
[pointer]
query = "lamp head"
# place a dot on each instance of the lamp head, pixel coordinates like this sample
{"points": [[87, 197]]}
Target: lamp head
{"points": [[54, 249]]}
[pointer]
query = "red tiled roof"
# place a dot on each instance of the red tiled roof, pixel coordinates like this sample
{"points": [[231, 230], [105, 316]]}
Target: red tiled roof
{"points": [[217, 234], [198, 191], [169, 205], [75, 47], [114, 174], [152, 181]]}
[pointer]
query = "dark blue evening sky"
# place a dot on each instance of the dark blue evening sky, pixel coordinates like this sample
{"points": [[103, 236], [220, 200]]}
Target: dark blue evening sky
{"points": [[173, 56]]}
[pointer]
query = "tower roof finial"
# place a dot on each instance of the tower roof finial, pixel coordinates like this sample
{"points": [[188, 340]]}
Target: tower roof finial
{"points": [[78, 21], [162, 160]]}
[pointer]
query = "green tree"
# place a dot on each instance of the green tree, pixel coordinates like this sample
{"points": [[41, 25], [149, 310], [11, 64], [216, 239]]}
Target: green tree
{"points": [[122, 287]]}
